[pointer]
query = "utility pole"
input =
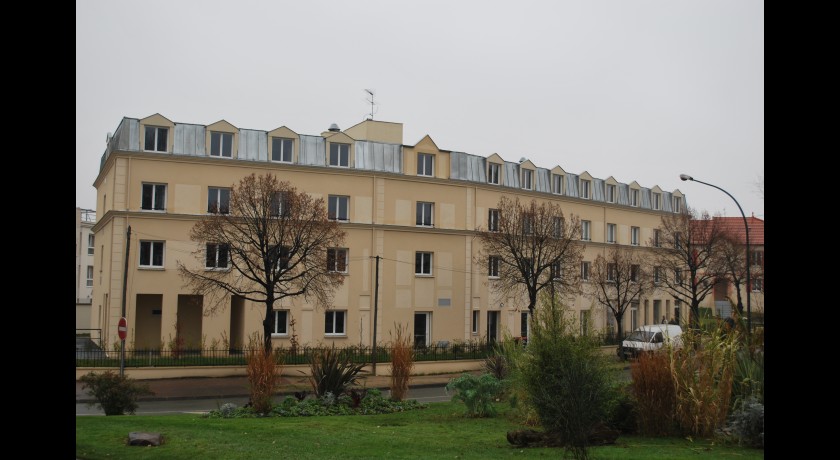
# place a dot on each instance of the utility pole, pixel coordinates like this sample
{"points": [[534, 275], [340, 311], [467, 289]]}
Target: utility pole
{"points": [[375, 311], [125, 283]]}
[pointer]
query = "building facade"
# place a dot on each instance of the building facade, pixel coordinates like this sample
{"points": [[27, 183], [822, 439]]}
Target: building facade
{"points": [[415, 206], [85, 243]]}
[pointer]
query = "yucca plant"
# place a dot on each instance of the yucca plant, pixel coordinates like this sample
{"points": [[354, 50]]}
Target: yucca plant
{"points": [[332, 372]]}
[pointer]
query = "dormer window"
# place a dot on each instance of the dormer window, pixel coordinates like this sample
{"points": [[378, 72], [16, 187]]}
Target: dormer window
{"points": [[677, 204], [657, 201], [527, 179], [155, 139], [611, 193], [339, 155], [425, 164], [221, 145], [557, 184], [493, 172], [634, 197], [585, 188]]}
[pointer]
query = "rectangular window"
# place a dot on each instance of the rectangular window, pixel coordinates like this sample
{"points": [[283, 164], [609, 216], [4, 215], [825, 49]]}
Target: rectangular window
{"points": [[334, 322], [678, 277], [282, 255], [423, 263], [151, 254], [677, 243], [218, 200], [657, 238], [89, 279], [677, 204], [281, 149], [337, 260], [279, 205], [217, 256], [527, 224], [425, 213], [612, 272], [340, 155], [757, 285], [558, 227], [757, 258], [90, 244], [557, 184], [584, 271], [634, 235], [634, 273], [476, 314], [657, 201], [584, 230], [339, 208], [556, 271], [493, 170], [523, 324], [155, 139], [657, 275], [425, 164], [221, 144], [280, 321], [584, 322], [493, 220], [493, 270], [585, 188], [610, 233], [634, 197], [153, 197], [527, 179], [611, 193]]}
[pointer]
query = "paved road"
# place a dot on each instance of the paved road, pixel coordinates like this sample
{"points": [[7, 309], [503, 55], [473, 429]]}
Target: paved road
{"points": [[198, 406]]}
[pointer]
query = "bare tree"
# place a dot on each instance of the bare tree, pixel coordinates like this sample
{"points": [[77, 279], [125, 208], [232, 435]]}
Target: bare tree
{"points": [[619, 279], [270, 243], [687, 257], [531, 247], [732, 256]]}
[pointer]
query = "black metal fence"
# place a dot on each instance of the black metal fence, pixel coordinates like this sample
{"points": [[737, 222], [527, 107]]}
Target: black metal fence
{"points": [[301, 355]]}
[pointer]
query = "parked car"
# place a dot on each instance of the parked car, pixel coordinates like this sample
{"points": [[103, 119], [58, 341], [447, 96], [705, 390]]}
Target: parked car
{"points": [[650, 338]]}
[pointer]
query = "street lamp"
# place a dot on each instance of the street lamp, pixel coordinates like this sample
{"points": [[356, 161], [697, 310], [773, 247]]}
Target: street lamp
{"points": [[685, 177]]}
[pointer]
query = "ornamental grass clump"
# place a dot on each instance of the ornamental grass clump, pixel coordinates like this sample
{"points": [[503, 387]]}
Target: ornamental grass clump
{"points": [[402, 362], [263, 368]]}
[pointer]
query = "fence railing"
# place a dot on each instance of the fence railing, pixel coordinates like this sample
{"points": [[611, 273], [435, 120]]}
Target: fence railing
{"points": [[301, 355]]}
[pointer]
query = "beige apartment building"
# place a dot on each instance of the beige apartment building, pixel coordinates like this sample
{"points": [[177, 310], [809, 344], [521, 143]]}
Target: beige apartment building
{"points": [[158, 177], [85, 243]]}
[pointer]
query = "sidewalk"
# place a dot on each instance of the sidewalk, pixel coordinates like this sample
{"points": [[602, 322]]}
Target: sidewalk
{"points": [[231, 387]]}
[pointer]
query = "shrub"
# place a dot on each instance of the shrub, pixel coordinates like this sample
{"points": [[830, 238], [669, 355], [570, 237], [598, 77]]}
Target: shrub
{"points": [[263, 368], [477, 393], [402, 362], [747, 423], [748, 382], [623, 411], [496, 365], [332, 371], [567, 379], [653, 388], [115, 394]]}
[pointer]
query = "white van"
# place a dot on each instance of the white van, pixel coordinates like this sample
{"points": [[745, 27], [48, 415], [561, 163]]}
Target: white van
{"points": [[650, 338]]}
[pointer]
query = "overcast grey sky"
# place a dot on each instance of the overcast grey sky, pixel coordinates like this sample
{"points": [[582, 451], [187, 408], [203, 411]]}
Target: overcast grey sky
{"points": [[635, 89]]}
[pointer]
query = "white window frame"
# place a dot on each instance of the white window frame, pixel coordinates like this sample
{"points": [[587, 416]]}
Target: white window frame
{"points": [[426, 260], [585, 270], [476, 318], [634, 197], [342, 155], [153, 246], [221, 145], [527, 224], [335, 266], [657, 275], [91, 244], [339, 200], [556, 271], [678, 278], [656, 199], [586, 189], [425, 212], [677, 240], [214, 247], [634, 273], [493, 220], [677, 204], [89, 276], [635, 235], [493, 267], [557, 184], [494, 172], [527, 178], [155, 189], [157, 138], [611, 233], [757, 284], [421, 164], [335, 315], [559, 225], [611, 193], [586, 230], [279, 207], [612, 272], [657, 238], [276, 323], [283, 143], [218, 192]]}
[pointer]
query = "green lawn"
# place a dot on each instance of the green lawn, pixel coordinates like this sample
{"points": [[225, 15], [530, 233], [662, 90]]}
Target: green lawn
{"points": [[441, 431]]}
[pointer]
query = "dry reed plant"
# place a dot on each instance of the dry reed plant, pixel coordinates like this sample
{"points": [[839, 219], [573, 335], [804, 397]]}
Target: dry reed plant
{"points": [[653, 388], [263, 373], [402, 361]]}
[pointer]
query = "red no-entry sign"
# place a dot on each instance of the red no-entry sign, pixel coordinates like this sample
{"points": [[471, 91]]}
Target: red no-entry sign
{"points": [[122, 328]]}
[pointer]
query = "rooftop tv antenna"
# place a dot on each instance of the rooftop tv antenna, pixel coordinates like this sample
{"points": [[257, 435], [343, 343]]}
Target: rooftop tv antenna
{"points": [[373, 110]]}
